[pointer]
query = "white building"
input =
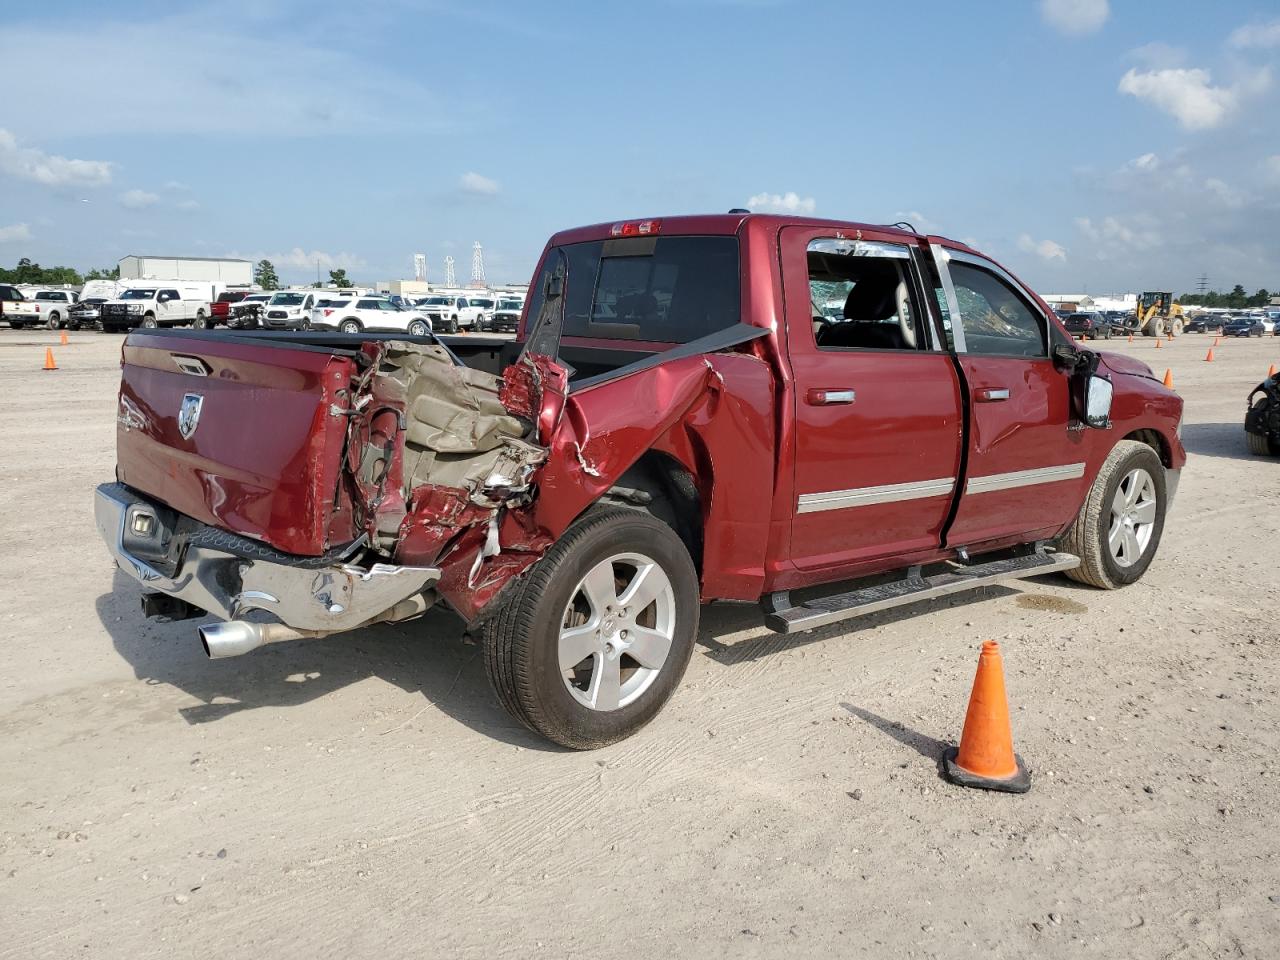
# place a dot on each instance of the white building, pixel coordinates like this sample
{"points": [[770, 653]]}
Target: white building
{"points": [[231, 273]]}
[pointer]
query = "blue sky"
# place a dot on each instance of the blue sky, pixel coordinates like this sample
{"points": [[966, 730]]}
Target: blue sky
{"points": [[1086, 144]]}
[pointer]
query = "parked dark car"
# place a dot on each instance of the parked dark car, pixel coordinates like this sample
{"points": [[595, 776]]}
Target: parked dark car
{"points": [[1203, 323], [1244, 327], [1087, 324], [1122, 322]]}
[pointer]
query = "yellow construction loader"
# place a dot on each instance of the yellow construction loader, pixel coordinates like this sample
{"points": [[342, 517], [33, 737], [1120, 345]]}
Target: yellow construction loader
{"points": [[1157, 315]]}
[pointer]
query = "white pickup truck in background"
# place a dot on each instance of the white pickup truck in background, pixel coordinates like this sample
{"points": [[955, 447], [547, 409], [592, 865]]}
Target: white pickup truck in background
{"points": [[54, 306], [17, 308]]}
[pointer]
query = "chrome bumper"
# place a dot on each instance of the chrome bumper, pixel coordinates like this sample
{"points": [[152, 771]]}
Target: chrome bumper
{"points": [[329, 599]]}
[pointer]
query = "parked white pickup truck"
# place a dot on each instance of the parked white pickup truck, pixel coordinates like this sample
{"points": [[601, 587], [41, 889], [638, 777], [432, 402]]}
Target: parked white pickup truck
{"points": [[158, 303], [55, 306], [17, 309]]}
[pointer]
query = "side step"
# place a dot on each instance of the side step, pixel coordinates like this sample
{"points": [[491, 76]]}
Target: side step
{"points": [[913, 588]]}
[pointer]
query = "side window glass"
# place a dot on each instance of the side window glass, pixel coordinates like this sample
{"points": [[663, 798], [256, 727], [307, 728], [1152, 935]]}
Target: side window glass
{"points": [[997, 320], [172, 294], [860, 296], [462, 303]]}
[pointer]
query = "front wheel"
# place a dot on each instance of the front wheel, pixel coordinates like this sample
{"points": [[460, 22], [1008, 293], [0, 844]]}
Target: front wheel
{"points": [[149, 322], [589, 645], [418, 328], [1118, 530]]}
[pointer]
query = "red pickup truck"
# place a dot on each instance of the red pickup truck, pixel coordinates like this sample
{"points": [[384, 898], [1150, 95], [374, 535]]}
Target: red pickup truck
{"points": [[730, 407]]}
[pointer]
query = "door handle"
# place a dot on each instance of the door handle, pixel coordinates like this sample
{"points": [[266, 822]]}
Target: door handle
{"points": [[824, 396], [992, 394]]}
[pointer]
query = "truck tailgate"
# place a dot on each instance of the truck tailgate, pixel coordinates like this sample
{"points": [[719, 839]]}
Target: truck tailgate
{"points": [[236, 434]]}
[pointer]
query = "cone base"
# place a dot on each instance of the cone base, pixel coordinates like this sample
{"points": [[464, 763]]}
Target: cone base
{"points": [[1020, 782]]}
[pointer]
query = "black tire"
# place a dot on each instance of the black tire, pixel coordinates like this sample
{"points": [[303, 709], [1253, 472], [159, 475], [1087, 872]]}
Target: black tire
{"points": [[54, 322], [1088, 535], [149, 322], [350, 325], [453, 324], [521, 637], [1261, 446], [16, 324], [1107, 334], [418, 328], [201, 322]]}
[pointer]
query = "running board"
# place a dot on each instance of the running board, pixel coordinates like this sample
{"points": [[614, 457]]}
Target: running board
{"points": [[913, 588]]}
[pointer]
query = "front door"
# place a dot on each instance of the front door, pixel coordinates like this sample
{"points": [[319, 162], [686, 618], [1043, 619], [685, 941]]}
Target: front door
{"points": [[1025, 473], [878, 412]]}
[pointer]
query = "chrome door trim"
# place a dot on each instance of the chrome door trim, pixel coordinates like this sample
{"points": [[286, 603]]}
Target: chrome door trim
{"points": [[866, 496], [1024, 478], [941, 257]]}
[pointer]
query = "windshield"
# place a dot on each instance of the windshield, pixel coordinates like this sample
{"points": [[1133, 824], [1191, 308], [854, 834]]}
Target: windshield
{"points": [[286, 299], [512, 305], [660, 289], [138, 295]]}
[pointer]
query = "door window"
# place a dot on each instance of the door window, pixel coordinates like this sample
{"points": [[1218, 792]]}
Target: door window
{"points": [[367, 305], [997, 320], [170, 294], [861, 296]]}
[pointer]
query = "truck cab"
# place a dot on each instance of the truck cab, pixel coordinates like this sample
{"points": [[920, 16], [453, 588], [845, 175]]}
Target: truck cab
{"points": [[683, 417]]}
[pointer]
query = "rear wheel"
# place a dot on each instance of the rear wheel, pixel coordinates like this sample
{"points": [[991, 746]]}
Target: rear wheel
{"points": [[1118, 530], [418, 328], [201, 322], [54, 322], [350, 326], [589, 645]]}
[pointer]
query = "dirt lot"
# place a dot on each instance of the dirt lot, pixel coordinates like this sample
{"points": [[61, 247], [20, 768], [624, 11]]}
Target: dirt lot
{"points": [[365, 795]]}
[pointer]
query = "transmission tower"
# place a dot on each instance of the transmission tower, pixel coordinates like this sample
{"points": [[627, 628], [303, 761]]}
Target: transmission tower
{"points": [[477, 265], [1203, 283], [420, 267], [450, 281]]}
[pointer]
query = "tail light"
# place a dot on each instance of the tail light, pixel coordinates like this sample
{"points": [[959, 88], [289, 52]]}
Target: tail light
{"points": [[636, 228], [37, 308], [327, 311]]}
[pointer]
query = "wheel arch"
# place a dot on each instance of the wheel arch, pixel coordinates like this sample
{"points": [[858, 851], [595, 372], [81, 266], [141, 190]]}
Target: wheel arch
{"points": [[1156, 441], [663, 487]]}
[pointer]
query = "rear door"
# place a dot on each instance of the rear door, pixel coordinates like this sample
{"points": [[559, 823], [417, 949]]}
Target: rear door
{"points": [[1025, 470], [878, 406]]}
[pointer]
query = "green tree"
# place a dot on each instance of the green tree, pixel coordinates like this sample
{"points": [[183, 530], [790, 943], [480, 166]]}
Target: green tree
{"points": [[1261, 298], [264, 275], [338, 278], [104, 274], [1237, 297]]}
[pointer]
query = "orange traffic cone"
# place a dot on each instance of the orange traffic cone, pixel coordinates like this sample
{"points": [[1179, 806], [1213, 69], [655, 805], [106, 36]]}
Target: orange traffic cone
{"points": [[1271, 371], [985, 757], [1208, 357], [1158, 342], [1168, 378], [48, 359], [63, 339]]}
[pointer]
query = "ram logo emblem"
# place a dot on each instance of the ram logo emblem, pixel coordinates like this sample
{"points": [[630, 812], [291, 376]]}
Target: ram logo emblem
{"points": [[189, 414]]}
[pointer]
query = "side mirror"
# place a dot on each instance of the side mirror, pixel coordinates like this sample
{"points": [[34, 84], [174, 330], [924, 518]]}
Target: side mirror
{"points": [[1097, 402], [1066, 356]]}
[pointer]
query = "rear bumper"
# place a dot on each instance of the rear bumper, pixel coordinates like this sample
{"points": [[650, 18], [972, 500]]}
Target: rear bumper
{"points": [[226, 583]]}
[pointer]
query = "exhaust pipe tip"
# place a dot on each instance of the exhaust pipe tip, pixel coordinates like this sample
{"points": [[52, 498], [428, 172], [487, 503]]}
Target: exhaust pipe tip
{"points": [[232, 639]]}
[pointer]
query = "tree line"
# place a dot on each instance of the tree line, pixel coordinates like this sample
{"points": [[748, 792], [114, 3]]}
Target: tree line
{"points": [[33, 273], [1237, 299]]}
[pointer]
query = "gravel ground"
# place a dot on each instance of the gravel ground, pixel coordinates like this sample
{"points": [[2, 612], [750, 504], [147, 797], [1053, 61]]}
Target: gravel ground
{"points": [[366, 795]]}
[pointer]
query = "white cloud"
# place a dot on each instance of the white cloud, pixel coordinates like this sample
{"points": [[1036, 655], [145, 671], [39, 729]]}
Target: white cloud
{"points": [[1046, 250], [138, 199], [1075, 17], [918, 220], [1257, 35], [299, 259], [1190, 96], [15, 232], [51, 170], [789, 202], [1226, 194], [187, 205], [471, 182], [1114, 233], [1272, 167], [216, 86]]}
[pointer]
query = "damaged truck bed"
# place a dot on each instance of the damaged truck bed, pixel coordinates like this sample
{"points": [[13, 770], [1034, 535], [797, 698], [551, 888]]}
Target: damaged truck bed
{"points": [[683, 417]]}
